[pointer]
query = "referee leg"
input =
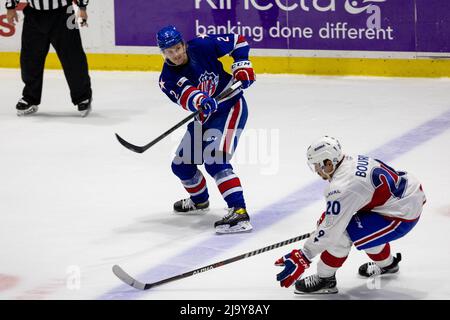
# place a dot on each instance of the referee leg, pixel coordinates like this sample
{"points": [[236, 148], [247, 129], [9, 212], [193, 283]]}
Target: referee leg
{"points": [[66, 40], [35, 46]]}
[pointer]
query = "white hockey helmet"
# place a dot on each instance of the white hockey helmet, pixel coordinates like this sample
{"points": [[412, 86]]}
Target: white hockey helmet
{"points": [[325, 148]]}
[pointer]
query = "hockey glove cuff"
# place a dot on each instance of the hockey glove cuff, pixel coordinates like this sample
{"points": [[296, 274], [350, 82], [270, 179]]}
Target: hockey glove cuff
{"points": [[243, 71]]}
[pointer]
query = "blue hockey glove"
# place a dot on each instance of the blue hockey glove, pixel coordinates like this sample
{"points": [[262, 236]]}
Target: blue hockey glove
{"points": [[208, 106]]}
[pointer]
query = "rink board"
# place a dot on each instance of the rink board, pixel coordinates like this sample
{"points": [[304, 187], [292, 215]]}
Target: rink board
{"points": [[399, 38], [273, 65]]}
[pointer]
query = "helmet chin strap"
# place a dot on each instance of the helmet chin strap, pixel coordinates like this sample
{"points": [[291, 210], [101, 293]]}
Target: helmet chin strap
{"points": [[328, 176], [322, 173]]}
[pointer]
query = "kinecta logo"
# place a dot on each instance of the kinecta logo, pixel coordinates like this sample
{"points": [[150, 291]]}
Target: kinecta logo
{"points": [[351, 6], [354, 7]]}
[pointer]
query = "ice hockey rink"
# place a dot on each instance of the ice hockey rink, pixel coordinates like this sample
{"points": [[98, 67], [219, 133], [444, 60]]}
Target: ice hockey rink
{"points": [[74, 202]]}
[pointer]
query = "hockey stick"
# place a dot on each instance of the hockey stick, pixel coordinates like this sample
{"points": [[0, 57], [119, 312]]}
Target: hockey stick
{"points": [[140, 149], [125, 277]]}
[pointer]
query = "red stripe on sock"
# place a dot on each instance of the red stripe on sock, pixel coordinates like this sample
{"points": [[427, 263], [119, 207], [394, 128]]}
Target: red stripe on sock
{"points": [[331, 260], [227, 185], [197, 188], [383, 255]]}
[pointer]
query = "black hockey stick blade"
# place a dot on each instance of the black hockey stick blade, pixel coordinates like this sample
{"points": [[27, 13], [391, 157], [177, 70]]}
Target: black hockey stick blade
{"points": [[130, 146], [140, 149], [125, 277]]}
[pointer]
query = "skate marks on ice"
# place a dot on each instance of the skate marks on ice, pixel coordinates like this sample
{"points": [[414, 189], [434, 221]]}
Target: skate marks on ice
{"points": [[169, 222], [374, 288], [444, 210], [170, 227], [98, 118]]}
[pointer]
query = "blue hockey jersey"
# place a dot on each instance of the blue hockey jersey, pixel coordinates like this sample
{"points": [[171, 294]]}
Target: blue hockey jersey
{"points": [[204, 73]]}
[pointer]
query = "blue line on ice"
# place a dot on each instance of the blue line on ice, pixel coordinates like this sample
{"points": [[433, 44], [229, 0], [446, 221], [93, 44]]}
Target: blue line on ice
{"points": [[264, 218]]}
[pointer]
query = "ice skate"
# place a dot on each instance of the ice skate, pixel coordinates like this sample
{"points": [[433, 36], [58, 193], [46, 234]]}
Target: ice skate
{"points": [[316, 285], [24, 108], [85, 107], [370, 269], [188, 206], [236, 220]]}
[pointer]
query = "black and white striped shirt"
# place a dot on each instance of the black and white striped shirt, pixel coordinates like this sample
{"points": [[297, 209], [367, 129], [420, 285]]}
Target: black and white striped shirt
{"points": [[46, 4]]}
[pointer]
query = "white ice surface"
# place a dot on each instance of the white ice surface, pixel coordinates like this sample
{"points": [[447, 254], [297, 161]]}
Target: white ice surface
{"points": [[72, 198]]}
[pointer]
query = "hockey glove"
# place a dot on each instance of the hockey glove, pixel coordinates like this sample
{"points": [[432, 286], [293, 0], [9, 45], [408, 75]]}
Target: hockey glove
{"points": [[294, 264], [208, 105], [243, 71]]}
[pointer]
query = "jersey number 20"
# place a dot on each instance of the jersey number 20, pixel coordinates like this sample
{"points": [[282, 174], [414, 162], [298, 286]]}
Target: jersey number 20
{"points": [[333, 207]]}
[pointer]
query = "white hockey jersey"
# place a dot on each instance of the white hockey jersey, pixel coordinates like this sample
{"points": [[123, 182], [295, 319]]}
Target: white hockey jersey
{"points": [[364, 184]]}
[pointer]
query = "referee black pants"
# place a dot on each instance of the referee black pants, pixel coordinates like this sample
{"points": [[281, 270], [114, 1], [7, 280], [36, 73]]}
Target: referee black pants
{"points": [[56, 27]]}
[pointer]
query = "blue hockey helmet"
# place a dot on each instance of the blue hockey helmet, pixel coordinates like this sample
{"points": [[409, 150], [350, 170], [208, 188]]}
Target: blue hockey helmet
{"points": [[168, 37]]}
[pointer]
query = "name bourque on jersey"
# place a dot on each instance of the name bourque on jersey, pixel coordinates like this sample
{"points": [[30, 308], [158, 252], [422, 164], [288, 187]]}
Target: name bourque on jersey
{"points": [[375, 186], [364, 184], [204, 73]]}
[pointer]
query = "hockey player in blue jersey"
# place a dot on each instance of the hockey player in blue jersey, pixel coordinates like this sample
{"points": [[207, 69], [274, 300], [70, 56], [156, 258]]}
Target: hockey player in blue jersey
{"points": [[192, 77]]}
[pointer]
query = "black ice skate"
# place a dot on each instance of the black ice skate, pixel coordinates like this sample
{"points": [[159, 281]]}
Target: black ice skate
{"points": [[236, 220], [188, 206], [85, 107], [24, 108], [316, 285], [370, 269]]}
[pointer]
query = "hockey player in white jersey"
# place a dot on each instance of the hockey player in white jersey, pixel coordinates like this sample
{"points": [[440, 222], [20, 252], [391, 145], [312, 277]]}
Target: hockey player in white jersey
{"points": [[368, 205]]}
